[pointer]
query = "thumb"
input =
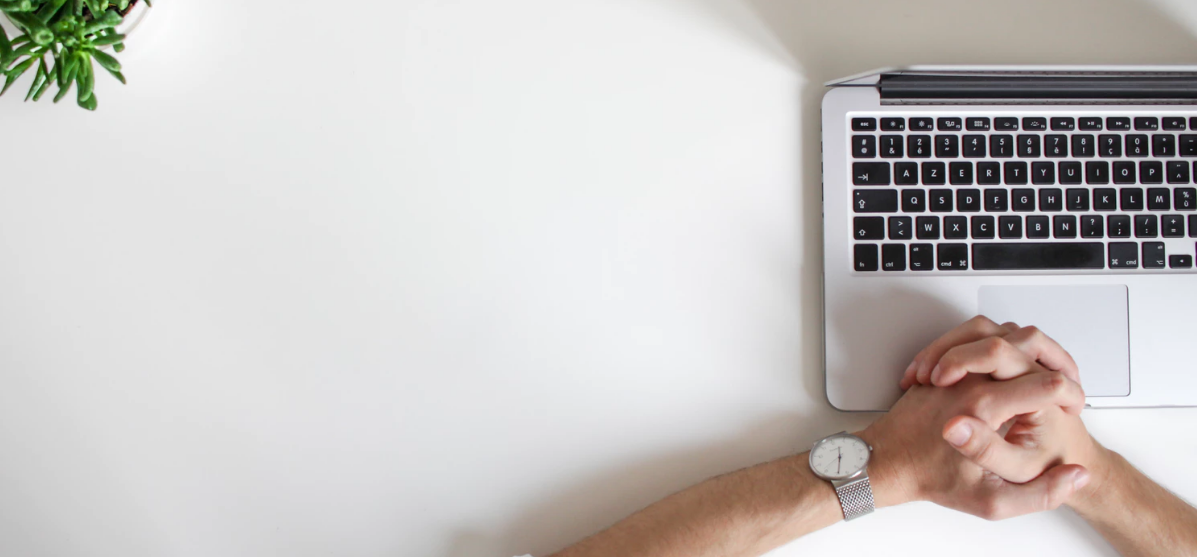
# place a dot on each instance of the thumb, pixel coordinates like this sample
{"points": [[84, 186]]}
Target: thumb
{"points": [[974, 440], [1045, 493]]}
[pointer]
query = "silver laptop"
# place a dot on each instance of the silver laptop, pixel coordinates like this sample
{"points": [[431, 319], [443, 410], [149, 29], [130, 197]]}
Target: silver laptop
{"points": [[1065, 198]]}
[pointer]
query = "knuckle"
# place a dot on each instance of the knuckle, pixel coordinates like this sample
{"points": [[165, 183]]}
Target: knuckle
{"points": [[981, 322], [992, 509], [996, 347], [979, 403], [1053, 383]]}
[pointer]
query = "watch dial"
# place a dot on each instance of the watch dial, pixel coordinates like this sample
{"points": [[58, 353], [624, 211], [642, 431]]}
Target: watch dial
{"points": [[840, 457]]}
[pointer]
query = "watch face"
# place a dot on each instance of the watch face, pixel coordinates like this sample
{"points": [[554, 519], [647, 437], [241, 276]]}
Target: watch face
{"points": [[839, 457]]}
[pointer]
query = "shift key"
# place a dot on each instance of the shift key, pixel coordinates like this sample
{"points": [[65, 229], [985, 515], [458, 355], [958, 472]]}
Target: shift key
{"points": [[875, 201], [870, 173]]}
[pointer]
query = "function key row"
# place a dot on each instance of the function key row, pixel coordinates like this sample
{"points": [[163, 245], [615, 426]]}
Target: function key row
{"points": [[1030, 123]]}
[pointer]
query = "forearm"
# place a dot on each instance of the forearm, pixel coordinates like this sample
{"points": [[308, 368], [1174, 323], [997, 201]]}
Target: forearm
{"points": [[1136, 515], [742, 514]]}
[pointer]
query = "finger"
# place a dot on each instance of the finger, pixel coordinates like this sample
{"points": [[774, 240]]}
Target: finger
{"points": [[1042, 348], [992, 356], [997, 402], [1010, 326], [977, 441], [1046, 492], [972, 330]]}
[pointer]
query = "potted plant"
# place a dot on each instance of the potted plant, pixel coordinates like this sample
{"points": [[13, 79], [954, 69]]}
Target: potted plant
{"points": [[73, 35]]}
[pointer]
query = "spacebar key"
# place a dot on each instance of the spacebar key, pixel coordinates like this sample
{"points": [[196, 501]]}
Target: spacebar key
{"points": [[1031, 256]]}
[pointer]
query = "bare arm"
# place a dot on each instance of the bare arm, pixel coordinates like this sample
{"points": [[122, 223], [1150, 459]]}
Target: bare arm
{"points": [[1134, 514]]}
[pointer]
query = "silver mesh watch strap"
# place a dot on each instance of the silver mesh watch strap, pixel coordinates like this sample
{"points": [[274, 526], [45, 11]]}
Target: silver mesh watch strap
{"points": [[856, 498]]}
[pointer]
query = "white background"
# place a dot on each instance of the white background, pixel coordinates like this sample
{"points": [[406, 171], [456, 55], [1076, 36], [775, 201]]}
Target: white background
{"points": [[462, 277]]}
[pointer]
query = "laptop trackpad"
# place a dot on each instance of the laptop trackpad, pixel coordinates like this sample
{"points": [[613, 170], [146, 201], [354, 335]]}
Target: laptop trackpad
{"points": [[1090, 322]]}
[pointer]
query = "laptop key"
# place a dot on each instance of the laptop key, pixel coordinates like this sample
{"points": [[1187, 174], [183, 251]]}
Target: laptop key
{"points": [[906, 173], [870, 173], [919, 146], [892, 147], [914, 201], [1082, 145], [1147, 123], [1110, 146], [1089, 123], [983, 227], [953, 257], [1178, 172], [941, 201], [893, 257], [968, 201], [1105, 199], [1124, 255], [1055, 145], [893, 124], [1015, 172], [1147, 226], [1188, 145], [1124, 172], [1185, 199], [875, 201], [865, 256], [1131, 199], [864, 124], [973, 146], [1038, 227], [864, 146], [1119, 226], [1051, 199], [1136, 145], [933, 174], [989, 173], [1163, 145], [1159, 199], [1151, 172], [922, 257], [976, 124], [1043, 173], [1063, 123], [1174, 122], [949, 124], [1118, 123], [1001, 146], [1028, 146], [922, 124], [1093, 226], [1070, 172], [1064, 226], [1172, 226], [1034, 124], [927, 228], [1180, 261], [1005, 124], [1078, 199], [955, 228], [997, 201], [1010, 227], [1154, 255], [1024, 199], [869, 228], [947, 146], [1193, 226], [1097, 172], [961, 173], [1020, 256]]}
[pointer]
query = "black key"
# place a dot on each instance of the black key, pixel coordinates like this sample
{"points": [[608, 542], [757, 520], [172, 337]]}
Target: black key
{"points": [[1005, 124], [891, 147], [1185, 199], [961, 173], [906, 173], [1034, 124], [933, 173], [1028, 146], [1078, 199], [947, 146], [893, 124], [1024, 199], [1082, 145], [919, 146], [1070, 172], [955, 228], [1159, 199], [1093, 226], [893, 257], [1193, 226], [866, 257], [1163, 145], [1180, 261], [983, 227], [968, 201], [914, 201], [1172, 226], [949, 124], [989, 173], [1193, 122], [869, 228], [1042, 173], [900, 228], [1017, 256], [973, 146], [1120, 226], [1174, 122], [953, 257], [1097, 172], [997, 201], [1147, 123], [926, 228], [1132, 199], [864, 124], [1051, 199], [870, 173], [1119, 123], [1063, 123], [1124, 172], [941, 201], [1064, 226], [922, 257], [922, 124], [864, 146], [1178, 172], [1105, 199], [1188, 145], [1055, 145], [1015, 173], [1038, 227], [1001, 146], [1089, 123], [875, 201], [976, 124], [1124, 255], [1154, 256], [1151, 172], [1010, 228], [1109, 145], [1147, 226], [1136, 145]]}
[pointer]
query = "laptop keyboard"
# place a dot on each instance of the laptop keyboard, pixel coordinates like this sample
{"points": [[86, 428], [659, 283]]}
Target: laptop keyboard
{"points": [[1023, 193]]}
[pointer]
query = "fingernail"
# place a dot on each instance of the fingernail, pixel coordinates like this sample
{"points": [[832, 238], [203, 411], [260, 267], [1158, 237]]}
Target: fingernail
{"points": [[934, 374], [959, 434], [1080, 479], [912, 367]]}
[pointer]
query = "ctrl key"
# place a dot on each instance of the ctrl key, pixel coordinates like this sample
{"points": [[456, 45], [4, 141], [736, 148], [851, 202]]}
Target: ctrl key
{"points": [[953, 257], [1180, 261], [865, 256]]}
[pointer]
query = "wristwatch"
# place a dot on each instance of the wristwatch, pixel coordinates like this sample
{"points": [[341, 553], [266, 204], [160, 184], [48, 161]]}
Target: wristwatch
{"points": [[843, 460]]}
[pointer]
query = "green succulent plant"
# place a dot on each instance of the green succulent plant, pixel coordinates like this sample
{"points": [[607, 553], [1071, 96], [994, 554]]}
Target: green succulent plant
{"points": [[71, 33]]}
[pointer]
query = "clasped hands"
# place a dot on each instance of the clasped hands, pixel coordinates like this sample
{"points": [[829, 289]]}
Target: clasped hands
{"points": [[989, 425]]}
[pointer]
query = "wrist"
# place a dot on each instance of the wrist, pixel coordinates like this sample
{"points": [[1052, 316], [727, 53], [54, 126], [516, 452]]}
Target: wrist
{"points": [[1103, 465], [890, 471]]}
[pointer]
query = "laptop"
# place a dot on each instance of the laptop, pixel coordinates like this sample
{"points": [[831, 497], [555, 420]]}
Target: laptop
{"points": [[1061, 197]]}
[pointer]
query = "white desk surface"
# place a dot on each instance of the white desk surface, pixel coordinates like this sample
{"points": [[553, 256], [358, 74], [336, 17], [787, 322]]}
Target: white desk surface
{"points": [[462, 278]]}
